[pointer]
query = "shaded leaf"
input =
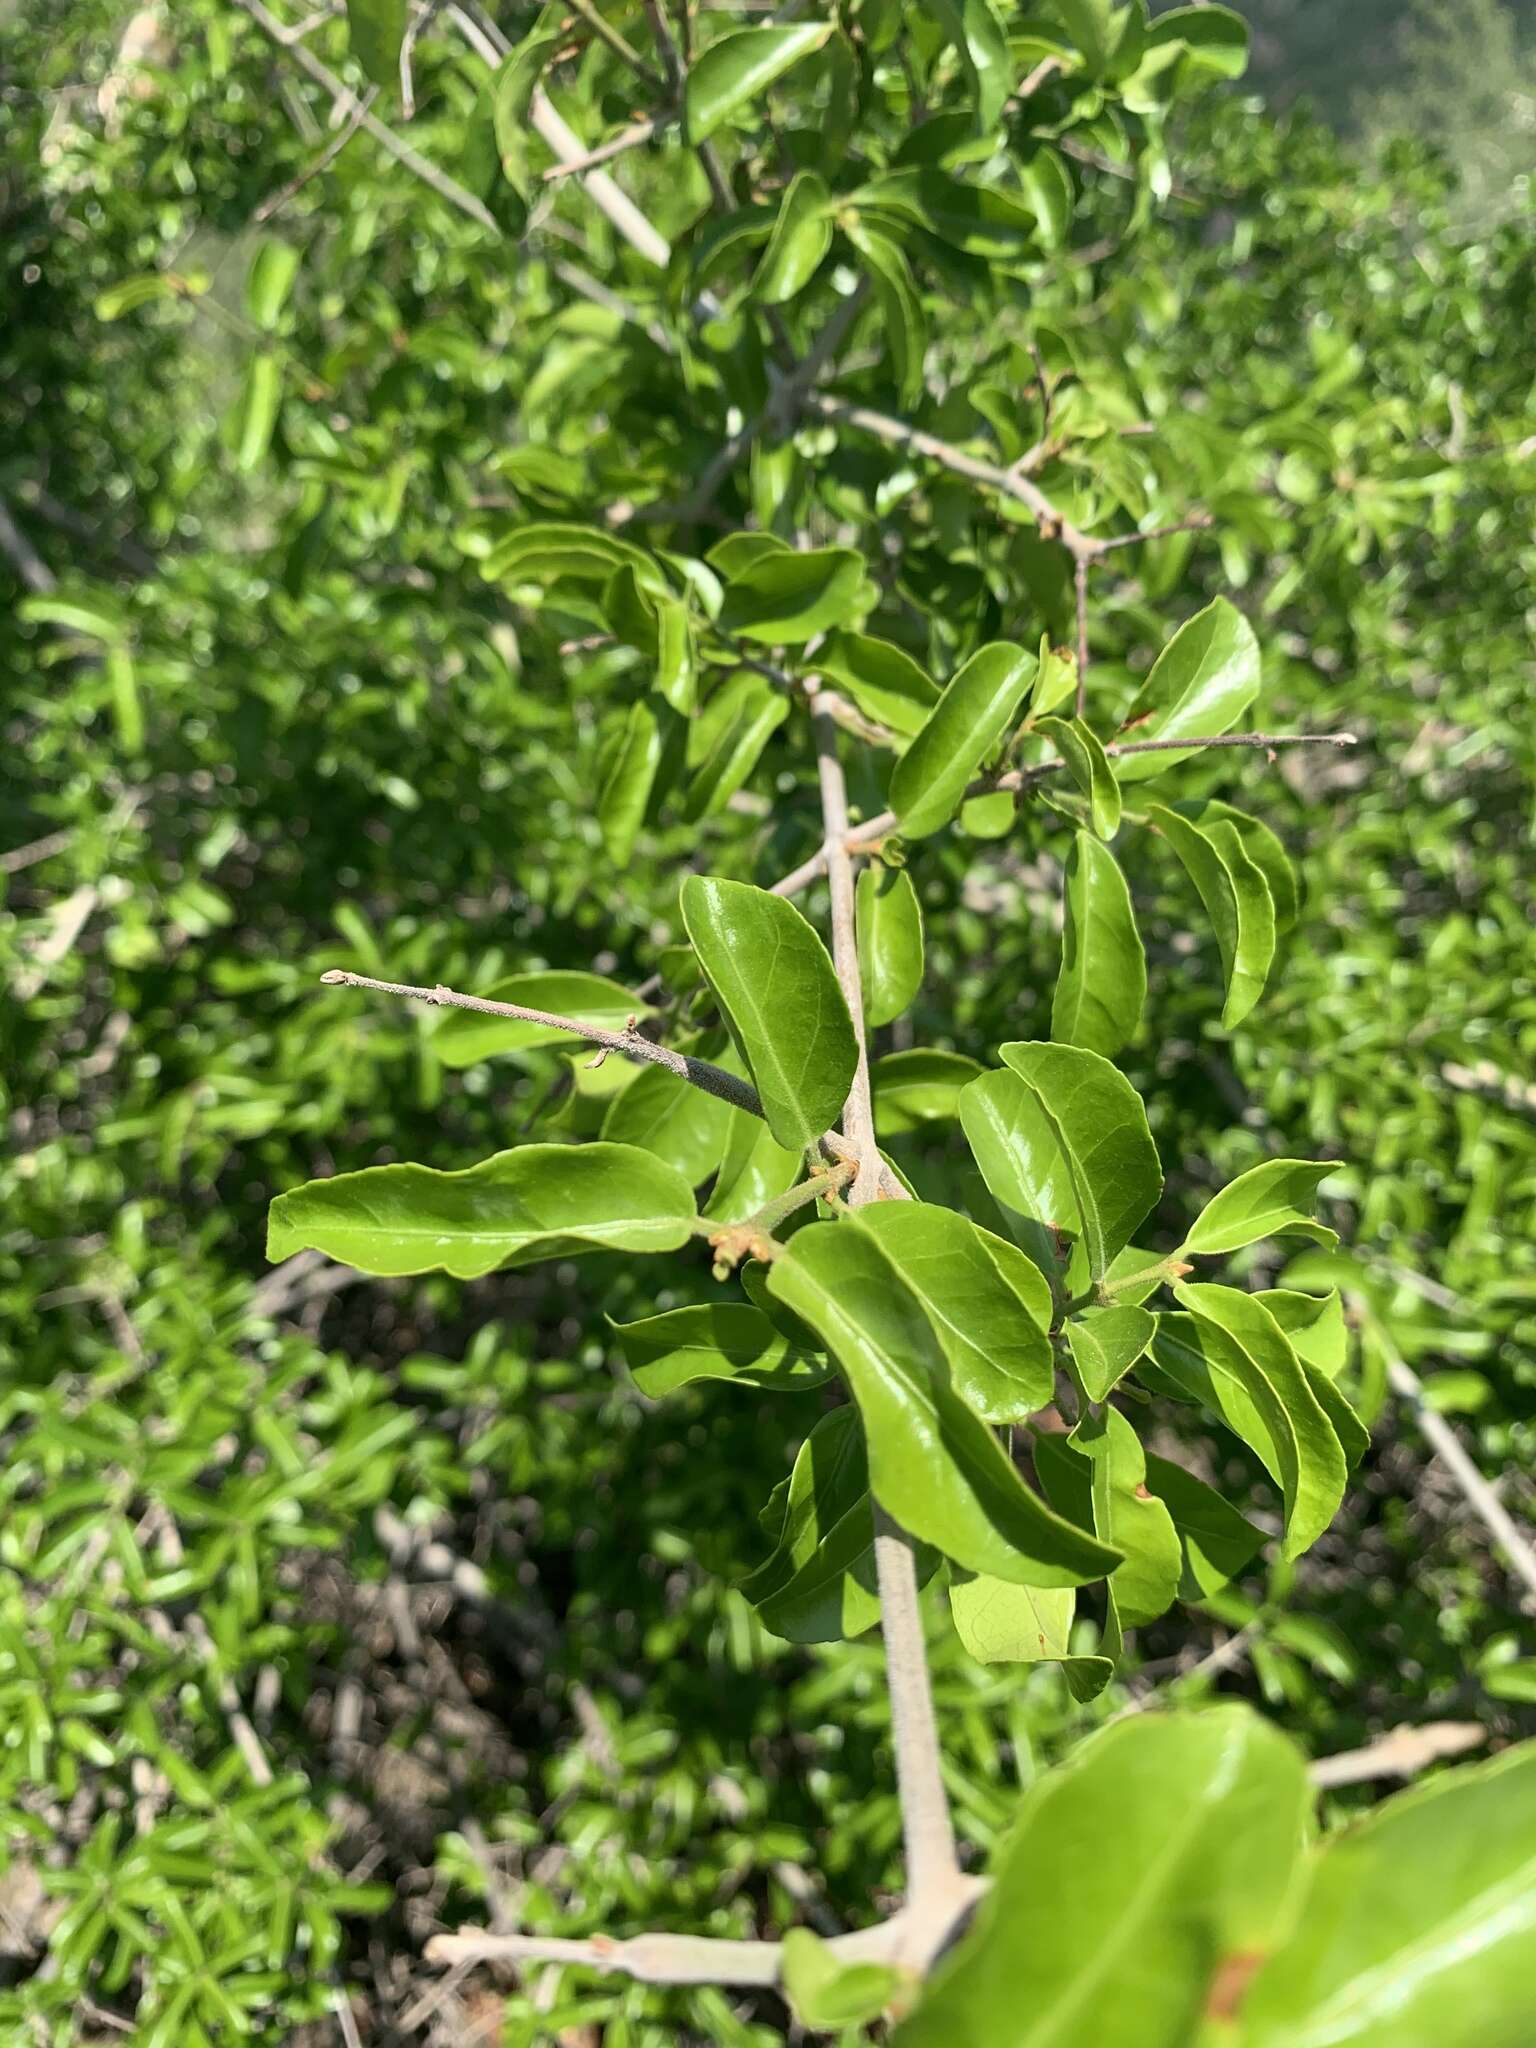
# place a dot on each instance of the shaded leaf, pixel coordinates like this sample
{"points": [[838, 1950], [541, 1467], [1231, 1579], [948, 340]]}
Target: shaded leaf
{"points": [[883, 680], [802, 235], [1218, 1541], [827, 1994], [375, 31], [1004, 1624], [1105, 1343], [978, 706], [662, 1113], [1127, 1514], [785, 597], [918, 1087], [889, 923], [1089, 767], [1237, 901], [719, 1340], [465, 1037], [733, 71]]}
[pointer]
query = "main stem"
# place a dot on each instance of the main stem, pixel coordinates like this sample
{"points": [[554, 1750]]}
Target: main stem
{"points": [[933, 1872]]}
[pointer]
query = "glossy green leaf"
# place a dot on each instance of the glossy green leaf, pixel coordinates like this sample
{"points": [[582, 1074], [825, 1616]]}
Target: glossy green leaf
{"points": [[1100, 1129], [550, 552], [1166, 1845], [1021, 1162], [1237, 901], [375, 31], [934, 1464], [1262, 846], [778, 990], [987, 1304], [889, 924], [630, 776], [918, 1087], [1105, 1343], [971, 717], [1001, 1623], [512, 86], [827, 1994], [801, 237], [1418, 1924], [982, 45], [1273, 1196], [754, 1168], [1089, 767], [728, 739], [1127, 1514], [1314, 1323], [1262, 1390], [1055, 680], [1200, 685], [537, 1202], [732, 72], [719, 1340], [464, 1037], [256, 410], [269, 281], [1103, 980], [903, 327], [1218, 1541], [662, 1113], [981, 220], [786, 597], [883, 680]]}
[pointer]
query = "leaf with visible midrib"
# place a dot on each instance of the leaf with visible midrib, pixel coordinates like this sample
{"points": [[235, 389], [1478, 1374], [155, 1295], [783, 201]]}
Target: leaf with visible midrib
{"points": [[717, 1340], [1200, 684], [778, 989], [1237, 901], [976, 709], [1103, 979]]}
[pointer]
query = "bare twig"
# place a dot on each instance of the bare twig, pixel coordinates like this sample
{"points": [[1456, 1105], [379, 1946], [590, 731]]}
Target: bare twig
{"points": [[702, 1073], [1401, 1753], [322, 162], [1478, 1494], [27, 856], [632, 137], [27, 562], [619, 44]]}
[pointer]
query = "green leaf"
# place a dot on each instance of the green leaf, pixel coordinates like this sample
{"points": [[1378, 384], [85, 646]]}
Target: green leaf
{"points": [[785, 597], [988, 1305], [1015, 1147], [1417, 1926], [977, 707], [662, 1113], [1256, 1383], [900, 305], [1088, 765], [720, 1340], [778, 991], [1103, 980], [739, 552], [919, 1087], [884, 681], [537, 1202], [1100, 1129], [1237, 901], [889, 922], [1262, 846], [126, 698], [734, 71], [826, 1994], [256, 410], [820, 1585], [1105, 1343], [1004, 1624], [550, 552], [1167, 1844], [630, 776], [801, 237], [465, 1037], [100, 619], [1200, 685], [727, 741], [375, 31], [512, 87], [269, 281], [934, 1464], [1129, 1515], [754, 1168], [1313, 1322], [1218, 1541], [147, 289], [981, 220], [982, 45], [1273, 1196]]}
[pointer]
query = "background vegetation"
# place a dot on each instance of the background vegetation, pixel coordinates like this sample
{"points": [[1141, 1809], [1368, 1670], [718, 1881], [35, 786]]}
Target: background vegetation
{"points": [[334, 1612]]}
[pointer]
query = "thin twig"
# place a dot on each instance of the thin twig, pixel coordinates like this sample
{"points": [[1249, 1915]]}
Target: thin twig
{"points": [[1401, 1753], [631, 137], [1196, 522], [702, 1073], [322, 162], [1476, 1491], [27, 562], [619, 44]]}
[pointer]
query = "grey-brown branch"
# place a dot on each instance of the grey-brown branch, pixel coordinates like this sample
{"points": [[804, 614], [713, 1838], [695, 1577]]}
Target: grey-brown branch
{"points": [[702, 1073]]}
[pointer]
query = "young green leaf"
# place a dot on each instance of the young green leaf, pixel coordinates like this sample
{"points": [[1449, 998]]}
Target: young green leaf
{"points": [[719, 1340], [269, 281], [1088, 765], [1273, 1196], [256, 409], [465, 1037], [662, 1113], [1103, 979], [1218, 1541], [537, 1202], [826, 1994], [918, 1087], [375, 31], [1314, 1323], [883, 680], [1171, 1843], [900, 306], [1105, 1343], [1257, 1384], [982, 46], [1021, 1162], [801, 237], [934, 1464], [625, 794], [978, 706], [1001, 1623], [988, 1305], [786, 597], [551, 552], [1416, 1925], [981, 220], [1128, 1515], [1237, 901], [889, 922], [726, 742], [754, 1168], [733, 71], [1100, 1129], [1263, 848], [1200, 685], [778, 991]]}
